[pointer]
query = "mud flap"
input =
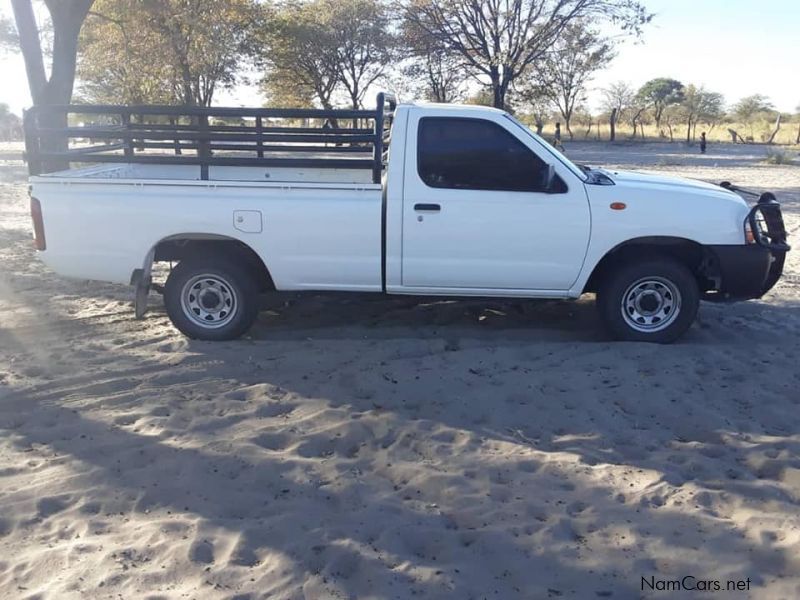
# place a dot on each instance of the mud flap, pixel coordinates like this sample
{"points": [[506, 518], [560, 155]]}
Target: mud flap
{"points": [[142, 281], [140, 298]]}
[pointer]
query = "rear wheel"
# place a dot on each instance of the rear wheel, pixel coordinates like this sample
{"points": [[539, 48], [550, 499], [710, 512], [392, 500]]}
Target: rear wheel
{"points": [[211, 299], [652, 301]]}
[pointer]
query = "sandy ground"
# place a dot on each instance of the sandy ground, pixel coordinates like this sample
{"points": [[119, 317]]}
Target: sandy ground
{"points": [[385, 448]]}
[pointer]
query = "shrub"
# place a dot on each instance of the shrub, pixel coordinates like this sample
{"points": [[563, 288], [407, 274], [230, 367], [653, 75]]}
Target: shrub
{"points": [[778, 156]]}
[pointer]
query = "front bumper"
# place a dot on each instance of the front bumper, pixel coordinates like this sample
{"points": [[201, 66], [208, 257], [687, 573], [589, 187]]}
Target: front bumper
{"points": [[745, 272], [751, 270]]}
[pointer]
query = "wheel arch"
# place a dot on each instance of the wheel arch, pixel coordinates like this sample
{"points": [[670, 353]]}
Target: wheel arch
{"points": [[689, 252], [178, 247]]}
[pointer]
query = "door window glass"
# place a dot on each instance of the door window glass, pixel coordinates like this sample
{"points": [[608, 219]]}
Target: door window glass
{"points": [[475, 154]]}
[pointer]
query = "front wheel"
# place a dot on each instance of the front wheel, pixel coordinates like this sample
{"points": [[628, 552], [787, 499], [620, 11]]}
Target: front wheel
{"points": [[652, 301], [211, 299]]}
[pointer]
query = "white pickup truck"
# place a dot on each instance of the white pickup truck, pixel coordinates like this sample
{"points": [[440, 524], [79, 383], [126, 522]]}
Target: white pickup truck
{"points": [[429, 200]]}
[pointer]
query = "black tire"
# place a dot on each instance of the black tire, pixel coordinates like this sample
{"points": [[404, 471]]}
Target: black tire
{"points": [[655, 300], [232, 286]]}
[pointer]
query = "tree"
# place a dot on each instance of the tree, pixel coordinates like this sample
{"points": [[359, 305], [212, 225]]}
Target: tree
{"points": [[9, 40], [498, 40], [659, 94], [201, 46], [617, 98], [567, 68], [747, 109], [10, 124], [436, 75], [363, 42], [67, 17], [300, 53], [540, 109], [321, 47], [637, 114], [116, 63], [700, 105], [537, 106]]}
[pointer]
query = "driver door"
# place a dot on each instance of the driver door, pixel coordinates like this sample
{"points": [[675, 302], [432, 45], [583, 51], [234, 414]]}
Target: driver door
{"points": [[477, 216]]}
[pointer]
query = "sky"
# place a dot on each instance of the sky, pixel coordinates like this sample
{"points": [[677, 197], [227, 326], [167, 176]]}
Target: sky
{"points": [[736, 47]]}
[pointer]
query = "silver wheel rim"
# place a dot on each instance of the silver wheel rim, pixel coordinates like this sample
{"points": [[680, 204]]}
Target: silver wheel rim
{"points": [[209, 301], [651, 304]]}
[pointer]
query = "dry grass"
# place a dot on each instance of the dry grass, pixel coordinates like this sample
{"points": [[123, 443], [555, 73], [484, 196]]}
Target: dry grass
{"points": [[787, 136], [780, 156]]}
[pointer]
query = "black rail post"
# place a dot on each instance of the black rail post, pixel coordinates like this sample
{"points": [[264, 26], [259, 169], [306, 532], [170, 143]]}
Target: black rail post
{"points": [[31, 142], [203, 150], [127, 140], [259, 139], [377, 150], [174, 124]]}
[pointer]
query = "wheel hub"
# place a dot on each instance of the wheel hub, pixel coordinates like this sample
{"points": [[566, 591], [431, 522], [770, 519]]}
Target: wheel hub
{"points": [[209, 301], [651, 304]]}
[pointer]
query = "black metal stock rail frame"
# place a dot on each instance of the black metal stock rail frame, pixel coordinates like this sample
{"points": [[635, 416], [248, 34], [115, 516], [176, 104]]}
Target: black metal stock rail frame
{"points": [[196, 139]]}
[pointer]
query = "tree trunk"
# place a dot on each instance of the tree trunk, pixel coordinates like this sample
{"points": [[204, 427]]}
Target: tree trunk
{"points": [[776, 130], [569, 130], [67, 17], [736, 137], [612, 121], [31, 48], [497, 93], [797, 140], [689, 132]]}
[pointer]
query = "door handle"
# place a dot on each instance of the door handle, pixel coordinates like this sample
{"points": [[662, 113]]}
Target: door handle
{"points": [[427, 207]]}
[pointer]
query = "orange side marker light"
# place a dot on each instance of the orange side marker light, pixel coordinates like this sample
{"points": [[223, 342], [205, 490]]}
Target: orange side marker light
{"points": [[618, 206]]}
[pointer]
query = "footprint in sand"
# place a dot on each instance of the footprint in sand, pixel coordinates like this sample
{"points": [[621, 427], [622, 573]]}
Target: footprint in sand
{"points": [[49, 506], [6, 527], [202, 552], [274, 409], [273, 441]]}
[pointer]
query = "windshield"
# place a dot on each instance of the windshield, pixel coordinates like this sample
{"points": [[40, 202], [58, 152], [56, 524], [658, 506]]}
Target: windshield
{"points": [[548, 149]]}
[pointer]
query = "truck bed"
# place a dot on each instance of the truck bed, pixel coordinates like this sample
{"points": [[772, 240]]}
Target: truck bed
{"points": [[316, 228]]}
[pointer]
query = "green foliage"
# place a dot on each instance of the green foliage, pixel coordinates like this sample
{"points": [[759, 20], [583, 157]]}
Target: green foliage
{"points": [[660, 93], [432, 72], [165, 51], [564, 72], [299, 53], [314, 49], [497, 42], [751, 108], [700, 106]]}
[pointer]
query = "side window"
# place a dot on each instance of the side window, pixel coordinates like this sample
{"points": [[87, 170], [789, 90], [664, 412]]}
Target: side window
{"points": [[475, 154]]}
